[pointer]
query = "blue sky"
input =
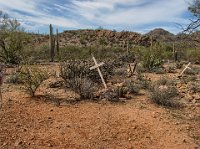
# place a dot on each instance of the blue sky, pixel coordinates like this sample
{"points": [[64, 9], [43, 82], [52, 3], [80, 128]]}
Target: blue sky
{"points": [[132, 15]]}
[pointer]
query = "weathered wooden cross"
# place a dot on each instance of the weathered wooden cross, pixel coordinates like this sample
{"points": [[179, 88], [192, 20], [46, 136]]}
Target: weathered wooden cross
{"points": [[131, 68], [186, 67], [96, 66]]}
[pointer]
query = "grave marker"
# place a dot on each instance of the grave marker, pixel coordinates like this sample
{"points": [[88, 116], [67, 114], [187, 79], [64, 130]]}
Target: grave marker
{"points": [[131, 68], [186, 67], [96, 66]]}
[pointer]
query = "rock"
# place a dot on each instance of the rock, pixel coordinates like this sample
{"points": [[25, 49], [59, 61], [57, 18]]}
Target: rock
{"points": [[50, 145], [184, 140], [163, 88], [18, 142]]}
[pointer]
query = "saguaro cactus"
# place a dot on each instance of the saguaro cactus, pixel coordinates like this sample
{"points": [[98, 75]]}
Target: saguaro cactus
{"points": [[52, 43], [57, 43]]}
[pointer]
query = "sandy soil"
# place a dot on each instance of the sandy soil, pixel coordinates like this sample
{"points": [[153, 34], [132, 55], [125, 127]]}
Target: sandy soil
{"points": [[45, 122]]}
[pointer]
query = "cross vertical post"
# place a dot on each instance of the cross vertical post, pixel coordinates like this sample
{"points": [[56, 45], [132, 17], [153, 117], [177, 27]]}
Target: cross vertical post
{"points": [[96, 66]]}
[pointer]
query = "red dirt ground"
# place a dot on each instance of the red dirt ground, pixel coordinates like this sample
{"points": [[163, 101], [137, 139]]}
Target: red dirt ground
{"points": [[44, 123]]}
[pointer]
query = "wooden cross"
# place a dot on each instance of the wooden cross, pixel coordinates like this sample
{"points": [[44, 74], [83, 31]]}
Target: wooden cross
{"points": [[131, 68], [186, 67], [96, 66]]}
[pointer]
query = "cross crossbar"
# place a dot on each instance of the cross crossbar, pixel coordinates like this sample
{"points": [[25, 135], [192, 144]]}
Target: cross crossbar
{"points": [[186, 67], [96, 66]]}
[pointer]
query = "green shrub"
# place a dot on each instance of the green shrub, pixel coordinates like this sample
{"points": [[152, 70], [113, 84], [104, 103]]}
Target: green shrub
{"points": [[12, 40], [193, 55], [151, 58], [32, 77], [37, 54]]}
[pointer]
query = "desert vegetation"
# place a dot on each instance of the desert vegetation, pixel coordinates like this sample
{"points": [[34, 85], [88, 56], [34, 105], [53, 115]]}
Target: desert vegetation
{"points": [[137, 84]]}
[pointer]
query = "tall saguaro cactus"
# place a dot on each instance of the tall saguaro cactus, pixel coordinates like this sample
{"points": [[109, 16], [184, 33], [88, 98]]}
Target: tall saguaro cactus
{"points": [[57, 43], [51, 43]]}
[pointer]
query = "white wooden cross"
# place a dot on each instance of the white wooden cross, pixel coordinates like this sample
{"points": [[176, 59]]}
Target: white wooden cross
{"points": [[96, 66], [186, 67]]}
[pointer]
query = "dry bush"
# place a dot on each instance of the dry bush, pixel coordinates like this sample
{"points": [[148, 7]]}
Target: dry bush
{"points": [[165, 81], [194, 87], [143, 81], [14, 78], [164, 93], [111, 95], [132, 87], [77, 77], [32, 77], [192, 71]]}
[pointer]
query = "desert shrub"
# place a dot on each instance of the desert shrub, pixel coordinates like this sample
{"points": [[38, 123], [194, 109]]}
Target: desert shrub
{"points": [[120, 72], [37, 54], [132, 87], [188, 78], [164, 98], [112, 95], [151, 58], [159, 70], [171, 69], [14, 78], [192, 71], [32, 77], [194, 87], [12, 40], [143, 81], [77, 77], [179, 65], [165, 81], [127, 88], [193, 55], [164, 93]]}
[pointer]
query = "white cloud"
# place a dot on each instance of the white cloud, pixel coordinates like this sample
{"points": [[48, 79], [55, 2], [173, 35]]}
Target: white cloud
{"points": [[85, 13], [165, 10], [36, 15]]}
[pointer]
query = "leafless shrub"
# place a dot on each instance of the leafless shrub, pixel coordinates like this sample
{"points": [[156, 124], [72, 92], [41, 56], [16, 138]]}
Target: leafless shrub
{"points": [[77, 77]]}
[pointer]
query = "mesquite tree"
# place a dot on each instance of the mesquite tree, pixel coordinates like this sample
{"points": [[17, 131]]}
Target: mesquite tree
{"points": [[194, 8], [12, 40]]}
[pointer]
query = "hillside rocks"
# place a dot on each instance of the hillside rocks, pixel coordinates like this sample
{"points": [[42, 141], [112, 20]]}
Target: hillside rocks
{"points": [[97, 37], [122, 39]]}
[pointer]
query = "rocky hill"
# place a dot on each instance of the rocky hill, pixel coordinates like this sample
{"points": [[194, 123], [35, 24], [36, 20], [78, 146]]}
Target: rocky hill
{"points": [[96, 37], [118, 39], [162, 35]]}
